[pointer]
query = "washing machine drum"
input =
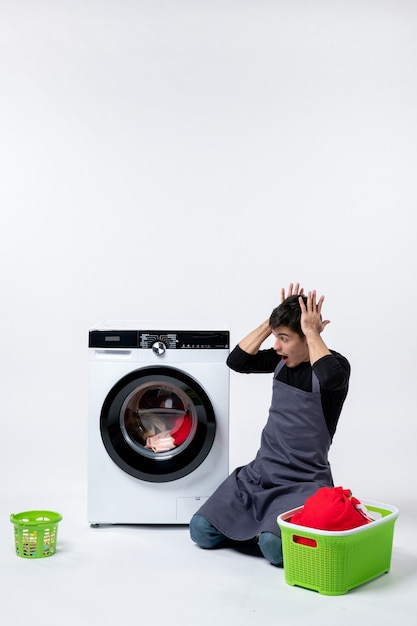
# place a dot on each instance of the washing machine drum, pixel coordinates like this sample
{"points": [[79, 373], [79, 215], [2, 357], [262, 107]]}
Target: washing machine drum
{"points": [[157, 424]]}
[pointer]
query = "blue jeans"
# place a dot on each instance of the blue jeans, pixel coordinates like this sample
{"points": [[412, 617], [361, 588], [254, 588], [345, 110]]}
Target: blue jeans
{"points": [[207, 536]]}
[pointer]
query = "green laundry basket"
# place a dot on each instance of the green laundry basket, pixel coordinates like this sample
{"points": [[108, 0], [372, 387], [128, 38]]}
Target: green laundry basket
{"points": [[333, 563], [35, 533]]}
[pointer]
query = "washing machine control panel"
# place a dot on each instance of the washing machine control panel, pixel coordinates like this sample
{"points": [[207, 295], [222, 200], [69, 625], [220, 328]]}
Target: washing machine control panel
{"points": [[157, 341], [160, 341]]}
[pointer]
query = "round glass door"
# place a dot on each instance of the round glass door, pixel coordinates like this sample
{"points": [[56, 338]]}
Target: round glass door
{"points": [[157, 424]]}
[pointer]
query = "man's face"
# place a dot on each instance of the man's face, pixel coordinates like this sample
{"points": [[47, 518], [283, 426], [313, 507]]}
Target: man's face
{"points": [[290, 346]]}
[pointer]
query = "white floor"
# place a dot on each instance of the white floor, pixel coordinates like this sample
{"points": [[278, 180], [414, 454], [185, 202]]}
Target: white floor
{"points": [[141, 575]]}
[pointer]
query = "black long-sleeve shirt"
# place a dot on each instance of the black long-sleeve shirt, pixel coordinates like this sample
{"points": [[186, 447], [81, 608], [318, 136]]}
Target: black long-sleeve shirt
{"points": [[332, 371]]}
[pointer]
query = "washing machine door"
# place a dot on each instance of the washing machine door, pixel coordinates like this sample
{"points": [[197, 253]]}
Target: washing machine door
{"points": [[157, 424]]}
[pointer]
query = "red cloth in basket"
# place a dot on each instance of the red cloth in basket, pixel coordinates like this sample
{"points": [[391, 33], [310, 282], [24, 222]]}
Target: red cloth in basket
{"points": [[330, 508]]}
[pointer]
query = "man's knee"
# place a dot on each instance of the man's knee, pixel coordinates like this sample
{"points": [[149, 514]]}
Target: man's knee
{"points": [[204, 534], [271, 547]]}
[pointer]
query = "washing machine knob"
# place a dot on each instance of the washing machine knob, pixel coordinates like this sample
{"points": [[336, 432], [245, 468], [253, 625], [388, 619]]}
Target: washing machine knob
{"points": [[159, 348]]}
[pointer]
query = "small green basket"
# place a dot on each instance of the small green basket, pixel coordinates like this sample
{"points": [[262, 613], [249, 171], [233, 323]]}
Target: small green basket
{"points": [[334, 562], [35, 533]]}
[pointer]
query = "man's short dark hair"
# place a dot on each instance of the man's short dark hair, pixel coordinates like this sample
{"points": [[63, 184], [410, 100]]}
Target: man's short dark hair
{"points": [[288, 313]]}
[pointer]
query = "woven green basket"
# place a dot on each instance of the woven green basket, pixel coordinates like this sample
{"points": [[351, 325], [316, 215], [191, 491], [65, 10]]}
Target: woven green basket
{"points": [[335, 562], [35, 533]]}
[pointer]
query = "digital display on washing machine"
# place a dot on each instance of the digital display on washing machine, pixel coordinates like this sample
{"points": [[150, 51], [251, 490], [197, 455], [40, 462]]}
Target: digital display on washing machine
{"points": [[113, 339]]}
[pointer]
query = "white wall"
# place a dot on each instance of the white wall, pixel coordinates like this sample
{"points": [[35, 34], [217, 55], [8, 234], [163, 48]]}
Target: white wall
{"points": [[186, 159]]}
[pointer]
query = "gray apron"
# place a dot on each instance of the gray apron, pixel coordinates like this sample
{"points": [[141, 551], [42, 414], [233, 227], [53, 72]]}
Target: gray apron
{"points": [[291, 464]]}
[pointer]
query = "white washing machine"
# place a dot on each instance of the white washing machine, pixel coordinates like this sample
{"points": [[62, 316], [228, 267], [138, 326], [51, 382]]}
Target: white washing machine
{"points": [[158, 432]]}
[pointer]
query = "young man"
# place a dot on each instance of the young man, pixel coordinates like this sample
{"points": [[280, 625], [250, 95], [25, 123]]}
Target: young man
{"points": [[310, 385]]}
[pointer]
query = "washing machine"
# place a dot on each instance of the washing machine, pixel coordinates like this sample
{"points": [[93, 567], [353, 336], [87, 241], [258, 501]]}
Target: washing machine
{"points": [[158, 419]]}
